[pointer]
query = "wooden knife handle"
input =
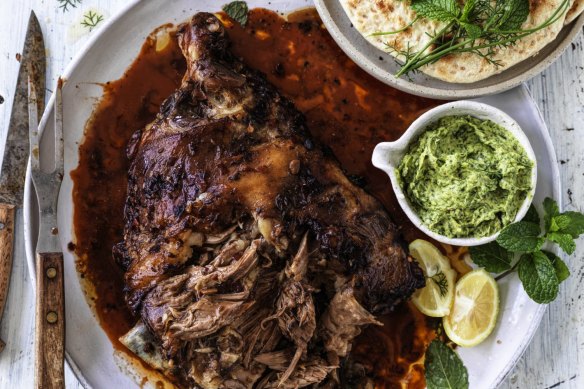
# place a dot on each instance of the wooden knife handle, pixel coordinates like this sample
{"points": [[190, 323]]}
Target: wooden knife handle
{"points": [[50, 321], [7, 213]]}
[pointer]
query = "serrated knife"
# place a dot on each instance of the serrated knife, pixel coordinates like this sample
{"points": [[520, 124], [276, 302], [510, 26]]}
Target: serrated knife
{"points": [[16, 151]]}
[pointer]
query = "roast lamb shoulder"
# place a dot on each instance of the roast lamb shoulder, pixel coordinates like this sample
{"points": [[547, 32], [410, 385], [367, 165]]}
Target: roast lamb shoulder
{"points": [[250, 258]]}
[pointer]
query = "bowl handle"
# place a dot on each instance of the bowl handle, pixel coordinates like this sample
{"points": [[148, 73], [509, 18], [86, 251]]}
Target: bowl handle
{"points": [[386, 155]]}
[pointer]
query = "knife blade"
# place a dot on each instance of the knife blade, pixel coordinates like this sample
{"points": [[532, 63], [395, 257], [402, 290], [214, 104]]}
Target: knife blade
{"points": [[16, 152]]}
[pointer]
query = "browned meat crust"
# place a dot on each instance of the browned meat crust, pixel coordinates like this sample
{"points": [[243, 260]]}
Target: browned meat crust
{"points": [[248, 253]]}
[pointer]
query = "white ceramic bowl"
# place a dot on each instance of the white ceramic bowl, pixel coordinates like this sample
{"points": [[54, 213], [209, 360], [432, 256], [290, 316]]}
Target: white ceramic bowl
{"points": [[387, 155]]}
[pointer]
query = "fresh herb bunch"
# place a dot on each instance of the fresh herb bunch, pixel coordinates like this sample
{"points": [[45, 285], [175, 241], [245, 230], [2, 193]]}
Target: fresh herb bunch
{"points": [[238, 11], [478, 27], [540, 271], [443, 368]]}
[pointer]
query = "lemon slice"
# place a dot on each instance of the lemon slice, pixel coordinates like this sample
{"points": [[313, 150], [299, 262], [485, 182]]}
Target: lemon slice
{"points": [[435, 299], [475, 309]]}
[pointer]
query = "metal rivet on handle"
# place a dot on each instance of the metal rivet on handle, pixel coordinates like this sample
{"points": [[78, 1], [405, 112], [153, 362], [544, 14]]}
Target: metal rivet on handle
{"points": [[51, 272], [52, 317]]}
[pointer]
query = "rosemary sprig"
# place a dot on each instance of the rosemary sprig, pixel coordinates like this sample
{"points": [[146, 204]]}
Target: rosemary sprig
{"points": [[65, 4], [91, 19], [478, 27]]}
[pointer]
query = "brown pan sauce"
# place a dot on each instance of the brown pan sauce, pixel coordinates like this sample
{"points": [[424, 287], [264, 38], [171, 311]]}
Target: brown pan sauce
{"points": [[347, 110]]}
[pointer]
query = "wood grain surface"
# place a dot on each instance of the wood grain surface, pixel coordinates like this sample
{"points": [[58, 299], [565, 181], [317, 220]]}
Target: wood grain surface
{"points": [[50, 322], [7, 213], [554, 359]]}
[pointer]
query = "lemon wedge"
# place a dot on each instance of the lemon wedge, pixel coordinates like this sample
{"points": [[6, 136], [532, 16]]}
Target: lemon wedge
{"points": [[435, 299], [475, 309]]}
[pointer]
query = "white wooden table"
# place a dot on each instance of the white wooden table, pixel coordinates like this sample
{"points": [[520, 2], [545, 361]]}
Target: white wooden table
{"points": [[555, 358]]}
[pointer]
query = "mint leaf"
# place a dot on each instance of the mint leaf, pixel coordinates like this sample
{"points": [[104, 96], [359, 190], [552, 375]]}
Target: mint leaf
{"points": [[565, 241], [538, 276], [472, 30], [521, 237], [532, 216], [238, 11], [571, 223], [554, 226], [440, 10], [562, 221], [515, 12], [562, 271], [467, 10], [491, 256], [551, 209], [444, 369]]}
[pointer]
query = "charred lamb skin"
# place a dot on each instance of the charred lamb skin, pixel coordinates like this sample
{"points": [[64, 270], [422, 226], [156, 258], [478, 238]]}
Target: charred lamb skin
{"points": [[248, 254]]}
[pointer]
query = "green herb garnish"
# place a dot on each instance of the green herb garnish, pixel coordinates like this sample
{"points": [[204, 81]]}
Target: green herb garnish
{"points": [[532, 216], [91, 20], [65, 4], [443, 368], [538, 276], [440, 280], [521, 237], [540, 271], [492, 257], [478, 27], [238, 11]]}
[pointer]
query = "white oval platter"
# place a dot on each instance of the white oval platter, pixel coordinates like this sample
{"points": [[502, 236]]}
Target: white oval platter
{"points": [[89, 351]]}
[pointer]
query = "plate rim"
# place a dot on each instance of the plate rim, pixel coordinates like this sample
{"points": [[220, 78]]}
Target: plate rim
{"points": [[30, 197], [407, 86]]}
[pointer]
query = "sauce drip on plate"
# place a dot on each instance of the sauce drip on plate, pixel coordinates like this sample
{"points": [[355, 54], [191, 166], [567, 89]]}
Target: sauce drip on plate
{"points": [[347, 110]]}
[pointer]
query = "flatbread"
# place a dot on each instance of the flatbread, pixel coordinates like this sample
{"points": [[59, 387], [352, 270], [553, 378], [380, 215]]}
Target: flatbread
{"points": [[574, 12], [371, 16]]}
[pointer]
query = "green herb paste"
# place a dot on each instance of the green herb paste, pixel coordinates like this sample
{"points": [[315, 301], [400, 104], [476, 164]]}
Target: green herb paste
{"points": [[465, 177]]}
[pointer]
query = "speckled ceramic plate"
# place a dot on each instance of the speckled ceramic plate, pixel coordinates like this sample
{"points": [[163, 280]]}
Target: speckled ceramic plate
{"points": [[383, 66], [89, 351]]}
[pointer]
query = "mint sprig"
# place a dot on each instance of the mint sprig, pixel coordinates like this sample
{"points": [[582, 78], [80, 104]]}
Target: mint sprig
{"points": [[540, 271], [443, 368]]}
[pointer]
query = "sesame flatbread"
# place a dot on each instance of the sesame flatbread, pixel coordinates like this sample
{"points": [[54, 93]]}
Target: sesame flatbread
{"points": [[372, 16]]}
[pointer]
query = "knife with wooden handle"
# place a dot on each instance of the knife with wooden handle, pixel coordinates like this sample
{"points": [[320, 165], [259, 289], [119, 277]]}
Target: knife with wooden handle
{"points": [[50, 304], [12, 173]]}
